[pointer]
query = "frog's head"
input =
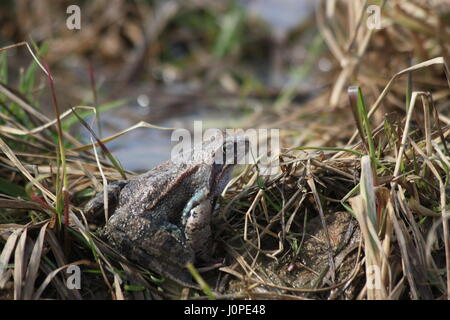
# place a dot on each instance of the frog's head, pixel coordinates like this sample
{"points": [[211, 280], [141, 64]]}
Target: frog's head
{"points": [[227, 153], [215, 158]]}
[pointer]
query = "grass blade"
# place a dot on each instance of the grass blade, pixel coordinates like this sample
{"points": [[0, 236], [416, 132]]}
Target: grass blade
{"points": [[362, 120], [6, 255], [33, 265], [105, 150], [19, 265]]}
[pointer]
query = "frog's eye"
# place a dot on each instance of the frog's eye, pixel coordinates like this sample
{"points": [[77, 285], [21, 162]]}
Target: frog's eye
{"points": [[225, 147], [229, 152], [224, 152]]}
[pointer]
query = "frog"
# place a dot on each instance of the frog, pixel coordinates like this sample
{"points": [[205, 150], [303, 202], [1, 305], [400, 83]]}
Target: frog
{"points": [[161, 219]]}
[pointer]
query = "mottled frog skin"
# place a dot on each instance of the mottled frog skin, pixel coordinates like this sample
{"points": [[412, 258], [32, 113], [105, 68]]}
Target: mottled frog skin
{"points": [[162, 218]]}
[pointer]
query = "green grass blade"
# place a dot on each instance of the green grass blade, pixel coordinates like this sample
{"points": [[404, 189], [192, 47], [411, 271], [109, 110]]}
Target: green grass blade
{"points": [[362, 120], [71, 120], [27, 82], [196, 275], [299, 73], [337, 149], [229, 35], [4, 67], [105, 150], [12, 189]]}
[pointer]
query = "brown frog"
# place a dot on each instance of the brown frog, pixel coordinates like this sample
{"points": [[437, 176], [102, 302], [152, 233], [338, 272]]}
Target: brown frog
{"points": [[162, 218]]}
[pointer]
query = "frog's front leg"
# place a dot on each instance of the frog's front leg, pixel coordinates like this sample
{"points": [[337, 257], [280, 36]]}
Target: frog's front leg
{"points": [[196, 221]]}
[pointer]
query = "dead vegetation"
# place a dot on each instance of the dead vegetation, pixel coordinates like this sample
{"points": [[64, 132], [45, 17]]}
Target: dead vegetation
{"points": [[358, 210]]}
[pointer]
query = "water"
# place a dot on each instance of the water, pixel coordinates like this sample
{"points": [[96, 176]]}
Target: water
{"points": [[144, 148], [282, 15]]}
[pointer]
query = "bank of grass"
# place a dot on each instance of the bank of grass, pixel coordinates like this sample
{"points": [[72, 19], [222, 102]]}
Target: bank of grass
{"points": [[357, 210]]}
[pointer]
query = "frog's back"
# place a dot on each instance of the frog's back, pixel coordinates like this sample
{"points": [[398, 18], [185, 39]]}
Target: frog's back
{"points": [[163, 188]]}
